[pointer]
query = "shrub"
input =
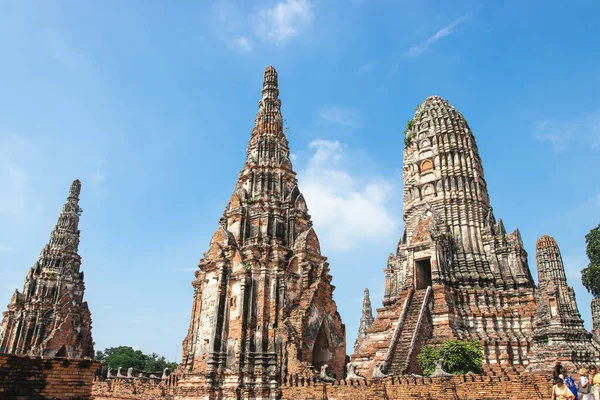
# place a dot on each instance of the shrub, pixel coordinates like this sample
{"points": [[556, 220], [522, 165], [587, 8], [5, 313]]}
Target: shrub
{"points": [[459, 357]]}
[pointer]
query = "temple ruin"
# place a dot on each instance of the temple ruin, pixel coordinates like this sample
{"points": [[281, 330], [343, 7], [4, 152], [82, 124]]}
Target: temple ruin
{"points": [[50, 318], [457, 273], [264, 323], [558, 331], [263, 305]]}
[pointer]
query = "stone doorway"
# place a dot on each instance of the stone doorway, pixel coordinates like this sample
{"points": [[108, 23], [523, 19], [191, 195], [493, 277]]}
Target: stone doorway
{"points": [[321, 353], [422, 273]]}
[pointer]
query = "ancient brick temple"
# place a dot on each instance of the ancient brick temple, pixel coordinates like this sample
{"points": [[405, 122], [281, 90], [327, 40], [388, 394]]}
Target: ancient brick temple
{"points": [[263, 304], [558, 331], [456, 273], [50, 318]]}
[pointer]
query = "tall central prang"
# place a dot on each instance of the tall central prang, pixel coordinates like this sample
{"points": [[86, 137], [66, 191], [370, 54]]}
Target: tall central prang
{"points": [[456, 273], [263, 305]]}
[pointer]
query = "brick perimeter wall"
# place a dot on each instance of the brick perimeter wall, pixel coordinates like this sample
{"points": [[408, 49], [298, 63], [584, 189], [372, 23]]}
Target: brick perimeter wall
{"points": [[526, 387], [28, 378], [465, 387]]}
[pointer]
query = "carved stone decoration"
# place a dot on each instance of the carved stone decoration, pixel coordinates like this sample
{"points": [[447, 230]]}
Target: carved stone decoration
{"points": [[263, 301], [378, 373], [49, 318], [351, 372], [439, 370], [323, 377]]}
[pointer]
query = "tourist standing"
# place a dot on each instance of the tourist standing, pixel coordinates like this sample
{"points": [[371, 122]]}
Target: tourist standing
{"points": [[570, 383], [585, 385], [595, 383], [560, 391]]}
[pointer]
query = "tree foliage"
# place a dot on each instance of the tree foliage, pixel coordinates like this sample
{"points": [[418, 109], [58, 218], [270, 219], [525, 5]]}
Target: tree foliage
{"points": [[590, 276], [126, 357], [459, 357]]}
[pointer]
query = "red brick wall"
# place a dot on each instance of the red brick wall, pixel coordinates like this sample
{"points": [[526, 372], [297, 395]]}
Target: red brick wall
{"points": [[463, 387], [527, 387], [23, 377]]}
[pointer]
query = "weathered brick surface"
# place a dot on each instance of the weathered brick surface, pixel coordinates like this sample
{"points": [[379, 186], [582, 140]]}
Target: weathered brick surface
{"points": [[464, 387], [263, 299], [49, 318], [459, 387], [23, 377]]}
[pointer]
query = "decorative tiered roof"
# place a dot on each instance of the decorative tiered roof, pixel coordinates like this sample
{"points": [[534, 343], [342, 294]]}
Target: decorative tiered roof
{"points": [[50, 317]]}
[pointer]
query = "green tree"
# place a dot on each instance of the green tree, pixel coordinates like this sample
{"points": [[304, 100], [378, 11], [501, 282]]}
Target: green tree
{"points": [[99, 356], [158, 363], [459, 357], [125, 357], [590, 276]]}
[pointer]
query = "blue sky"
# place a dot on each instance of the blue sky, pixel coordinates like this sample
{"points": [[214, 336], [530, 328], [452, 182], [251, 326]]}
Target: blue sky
{"points": [[151, 106]]}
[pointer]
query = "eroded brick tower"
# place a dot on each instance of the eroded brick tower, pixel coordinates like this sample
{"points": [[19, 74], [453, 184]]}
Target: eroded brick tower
{"points": [[558, 330], [456, 273], [263, 305], [50, 318]]}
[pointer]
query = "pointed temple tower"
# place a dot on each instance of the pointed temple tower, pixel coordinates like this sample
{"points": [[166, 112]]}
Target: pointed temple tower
{"points": [[558, 330], [456, 273], [50, 318], [366, 320], [595, 306], [263, 306]]}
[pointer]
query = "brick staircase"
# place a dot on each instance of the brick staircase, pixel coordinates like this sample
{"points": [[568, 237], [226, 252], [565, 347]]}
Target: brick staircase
{"points": [[401, 356]]}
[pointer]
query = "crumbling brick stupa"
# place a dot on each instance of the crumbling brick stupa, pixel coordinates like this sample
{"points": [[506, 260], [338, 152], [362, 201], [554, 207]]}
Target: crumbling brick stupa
{"points": [[263, 306], [558, 331], [49, 318], [456, 272]]}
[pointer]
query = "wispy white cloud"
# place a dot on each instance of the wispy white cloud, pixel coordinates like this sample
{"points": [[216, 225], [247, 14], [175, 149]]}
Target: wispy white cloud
{"points": [[366, 68], [347, 209], [285, 20], [347, 117], [242, 44], [421, 48], [584, 129]]}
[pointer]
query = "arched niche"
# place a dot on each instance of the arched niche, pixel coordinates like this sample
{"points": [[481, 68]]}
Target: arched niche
{"points": [[322, 349], [426, 165]]}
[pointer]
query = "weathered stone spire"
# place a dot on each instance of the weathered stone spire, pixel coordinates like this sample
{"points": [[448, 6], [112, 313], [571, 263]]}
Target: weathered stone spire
{"points": [[446, 204], [65, 235], [595, 305], [263, 302], [50, 317], [366, 320], [558, 327]]}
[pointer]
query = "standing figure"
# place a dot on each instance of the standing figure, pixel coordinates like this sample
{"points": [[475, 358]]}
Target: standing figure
{"points": [[585, 385], [570, 383], [595, 383], [560, 391]]}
